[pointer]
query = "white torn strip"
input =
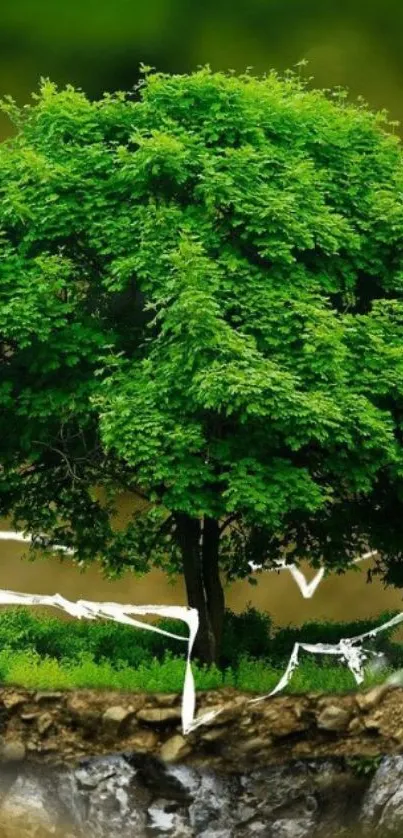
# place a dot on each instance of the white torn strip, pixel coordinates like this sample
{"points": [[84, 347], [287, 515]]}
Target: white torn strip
{"points": [[307, 588], [345, 649], [11, 535], [119, 613]]}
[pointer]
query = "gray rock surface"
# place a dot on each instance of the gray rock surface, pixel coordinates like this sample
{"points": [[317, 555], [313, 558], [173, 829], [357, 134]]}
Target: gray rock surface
{"points": [[134, 795], [382, 809]]}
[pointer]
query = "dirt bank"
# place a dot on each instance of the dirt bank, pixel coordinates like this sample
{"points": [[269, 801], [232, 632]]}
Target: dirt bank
{"points": [[65, 726]]}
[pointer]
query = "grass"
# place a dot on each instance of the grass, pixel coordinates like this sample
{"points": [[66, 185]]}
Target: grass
{"points": [[42, 652], [32, 671]]}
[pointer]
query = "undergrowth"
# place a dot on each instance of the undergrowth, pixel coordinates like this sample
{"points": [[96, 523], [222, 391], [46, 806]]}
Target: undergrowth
{"points": [[47, 653]]}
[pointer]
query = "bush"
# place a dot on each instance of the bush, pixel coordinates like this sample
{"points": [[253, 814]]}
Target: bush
{"points": [[250, 635], [247, 634], [331, 632]]}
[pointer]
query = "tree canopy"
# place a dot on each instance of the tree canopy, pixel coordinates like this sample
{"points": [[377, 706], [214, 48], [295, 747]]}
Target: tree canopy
{"points": [[201, 287]]}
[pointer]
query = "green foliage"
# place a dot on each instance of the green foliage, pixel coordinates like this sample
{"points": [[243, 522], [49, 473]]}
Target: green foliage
{"points": [[331, 632], [201, 297], [364, 766], [46, 653], [248, 636], [30, 670]]}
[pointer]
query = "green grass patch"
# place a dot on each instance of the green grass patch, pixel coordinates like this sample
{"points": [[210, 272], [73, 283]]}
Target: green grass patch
{"points": [[28, 669], [250, 634], [47, 653]]}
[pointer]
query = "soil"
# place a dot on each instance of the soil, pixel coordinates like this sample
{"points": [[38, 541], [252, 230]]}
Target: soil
{"points": [[64, 726]]}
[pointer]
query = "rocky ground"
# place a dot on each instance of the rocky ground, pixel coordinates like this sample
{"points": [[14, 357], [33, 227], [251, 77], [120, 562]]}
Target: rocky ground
{"points": [[85, 764], [138, 796], [65, 726]]}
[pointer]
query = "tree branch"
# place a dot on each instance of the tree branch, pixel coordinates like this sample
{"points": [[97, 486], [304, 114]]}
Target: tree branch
{"points": [[228, 521]]}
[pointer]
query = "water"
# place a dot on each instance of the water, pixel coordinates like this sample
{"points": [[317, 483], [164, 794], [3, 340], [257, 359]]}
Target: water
{"points": [[346, 597]]}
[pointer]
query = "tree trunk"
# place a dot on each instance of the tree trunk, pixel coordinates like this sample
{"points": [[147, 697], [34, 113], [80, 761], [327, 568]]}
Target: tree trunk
{"points": [[198, 542], [212, 581]]}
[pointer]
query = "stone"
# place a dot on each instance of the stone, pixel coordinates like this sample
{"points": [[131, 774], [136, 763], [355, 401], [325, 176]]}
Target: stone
{"points": [[159, 715], [139, 795], [214, 734], [143, 741], [333, 718], [382, 808], [282, 722], [290, 828], [174, 749], [44, 723], [13, 751], [46, 695], [258, 828], [50, 747], [31, 747], [115, 717], [29, 810], [370, 699], [373, 722], [12, 700], [398, 735], [225, 712], [165, 822], [257, 743], [395, 679], [356, 726], [166, 699]]}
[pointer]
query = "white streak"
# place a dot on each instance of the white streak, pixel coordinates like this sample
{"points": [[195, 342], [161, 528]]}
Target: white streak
{"points": [[345, 648], [307, 588], [119, 613]]}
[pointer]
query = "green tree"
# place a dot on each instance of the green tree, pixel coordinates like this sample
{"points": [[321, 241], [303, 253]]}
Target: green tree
{"points": [[201, 302]]}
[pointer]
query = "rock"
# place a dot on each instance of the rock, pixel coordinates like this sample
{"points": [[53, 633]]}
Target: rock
{"points": [[167, 699], [117, 717], [164, 821], [28, 717], [46, 695], [31, 747], [143, 741], [174, 749], [157, 715], [373, 722], [257, 828], [214, 734], [139, 795], [13, 751], [13, 700], [356, 726], [29, 810], [257, 743], [44, 723], [398, 735], [285, 828], [333, 718], [368, 700], [282, 722], [212, 803], [382, 809], [395, 679], [222, 713]]}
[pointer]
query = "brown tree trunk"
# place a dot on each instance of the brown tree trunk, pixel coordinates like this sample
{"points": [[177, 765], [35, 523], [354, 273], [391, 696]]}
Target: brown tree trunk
{"points": [[212, 581], [198, 542]]}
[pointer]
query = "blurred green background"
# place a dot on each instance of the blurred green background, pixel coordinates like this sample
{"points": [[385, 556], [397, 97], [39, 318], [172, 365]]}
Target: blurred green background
{"points": [[99, 44]]}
